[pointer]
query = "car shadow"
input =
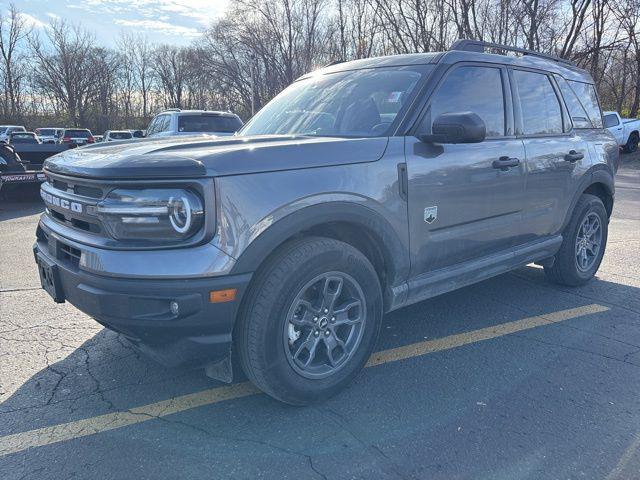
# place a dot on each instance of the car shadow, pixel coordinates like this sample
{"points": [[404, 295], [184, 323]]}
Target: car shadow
{"points": [[107, 374]]}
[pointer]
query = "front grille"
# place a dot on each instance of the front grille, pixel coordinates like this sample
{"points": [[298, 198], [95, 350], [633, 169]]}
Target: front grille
{"points": [[80, 192], [77, 189]]}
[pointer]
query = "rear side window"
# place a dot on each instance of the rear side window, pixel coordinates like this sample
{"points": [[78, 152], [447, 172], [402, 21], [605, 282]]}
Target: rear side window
{"points": [[589, 98], [208, 123], [541, 111], [474, 89], [579, 116], [610, 120]]}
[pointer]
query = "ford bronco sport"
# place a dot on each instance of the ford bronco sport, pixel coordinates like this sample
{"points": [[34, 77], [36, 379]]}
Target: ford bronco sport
{"points": [[361, 188]]}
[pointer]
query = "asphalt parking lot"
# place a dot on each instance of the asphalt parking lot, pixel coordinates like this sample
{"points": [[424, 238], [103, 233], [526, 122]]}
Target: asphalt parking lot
{"points": [[510, 378]]}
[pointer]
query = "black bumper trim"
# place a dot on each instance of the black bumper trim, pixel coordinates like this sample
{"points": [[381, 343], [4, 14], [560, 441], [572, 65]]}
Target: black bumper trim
{"points": [[198, 334]]}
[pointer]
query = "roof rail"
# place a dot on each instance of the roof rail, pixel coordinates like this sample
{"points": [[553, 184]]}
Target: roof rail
{"points": [[480, 46], [333, 62]]}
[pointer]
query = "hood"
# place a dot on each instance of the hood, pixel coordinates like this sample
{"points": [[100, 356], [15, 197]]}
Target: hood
{"points": [[200, 156]]}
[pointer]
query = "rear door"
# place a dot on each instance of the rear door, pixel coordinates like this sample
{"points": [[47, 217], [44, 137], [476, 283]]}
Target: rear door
{"points": [[556, 153], [461, 205]]}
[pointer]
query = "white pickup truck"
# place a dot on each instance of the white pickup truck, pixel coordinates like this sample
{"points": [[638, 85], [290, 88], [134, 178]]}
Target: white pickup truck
{"points": [[626, 130]]}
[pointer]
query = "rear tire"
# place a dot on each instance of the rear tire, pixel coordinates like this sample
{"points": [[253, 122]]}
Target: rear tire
{"points": [[289, 346], [632, 143], [584, 240]]}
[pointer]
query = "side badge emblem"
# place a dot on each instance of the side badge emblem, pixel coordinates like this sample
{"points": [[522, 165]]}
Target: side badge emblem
{"points": [[430, 214]]}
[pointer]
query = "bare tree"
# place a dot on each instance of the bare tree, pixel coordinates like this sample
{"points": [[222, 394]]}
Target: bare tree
{"points": [[13, 33], [65, 67]]}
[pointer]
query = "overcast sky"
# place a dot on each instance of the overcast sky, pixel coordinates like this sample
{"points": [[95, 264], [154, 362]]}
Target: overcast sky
{"points": [[168, 21]]}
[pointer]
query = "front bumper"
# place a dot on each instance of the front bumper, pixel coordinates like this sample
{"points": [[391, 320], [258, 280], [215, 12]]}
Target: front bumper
{"points": [[139, 308]]}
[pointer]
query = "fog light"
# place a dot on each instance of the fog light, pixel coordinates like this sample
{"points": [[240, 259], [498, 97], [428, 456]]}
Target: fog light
{"points": [[174, 307]]}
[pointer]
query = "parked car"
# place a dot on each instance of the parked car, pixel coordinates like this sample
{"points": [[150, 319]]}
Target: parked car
{"points": [[626, 130], [114, 135], [414, 176], [49, 134], [6, 130], [77, 136], [23, 137], [193, 122], [98, 138]]}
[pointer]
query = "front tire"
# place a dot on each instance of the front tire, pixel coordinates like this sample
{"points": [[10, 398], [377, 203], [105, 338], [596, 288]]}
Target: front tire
{"points": [[584, 241], [310, 321]]}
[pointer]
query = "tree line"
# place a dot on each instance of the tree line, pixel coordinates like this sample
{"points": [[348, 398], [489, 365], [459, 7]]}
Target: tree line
{"points": [[60, 75]]}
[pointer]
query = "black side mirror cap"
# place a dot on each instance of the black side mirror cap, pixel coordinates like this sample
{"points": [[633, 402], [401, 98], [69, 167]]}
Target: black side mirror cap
{"points": [[456, 127]]}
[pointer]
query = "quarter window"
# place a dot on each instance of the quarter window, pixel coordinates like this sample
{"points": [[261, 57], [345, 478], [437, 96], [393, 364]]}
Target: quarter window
{"points": [[577, 112], [472, 89], [541, 111], [589, 98]]}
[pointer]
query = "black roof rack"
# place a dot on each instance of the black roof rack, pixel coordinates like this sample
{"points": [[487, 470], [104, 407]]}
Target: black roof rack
{"points": [[480, 46]]}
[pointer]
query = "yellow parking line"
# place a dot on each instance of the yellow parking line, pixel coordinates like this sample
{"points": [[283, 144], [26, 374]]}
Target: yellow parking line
{"points": [[18, 442]]}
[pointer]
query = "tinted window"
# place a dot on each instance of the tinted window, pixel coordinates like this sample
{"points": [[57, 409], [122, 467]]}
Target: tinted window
{"points": [[474, 89], [577, 112], [120, 135], [77, 133], [208, 123], [610, 120], [46, 131], [589, 99], [541, 112], [358, 103], [23, 138]]}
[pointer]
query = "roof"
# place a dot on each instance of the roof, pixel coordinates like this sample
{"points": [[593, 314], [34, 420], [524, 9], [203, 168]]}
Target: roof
{"points": [[568, 71], [210, 112]]}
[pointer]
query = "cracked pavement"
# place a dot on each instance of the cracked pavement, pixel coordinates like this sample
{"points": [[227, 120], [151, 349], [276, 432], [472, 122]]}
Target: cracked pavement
{"points": [[557, 401]]}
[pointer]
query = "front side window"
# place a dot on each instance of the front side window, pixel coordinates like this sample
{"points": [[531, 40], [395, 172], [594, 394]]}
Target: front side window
{"points": [[541, 111], [357, 103], [472, 89], [610, 120]]}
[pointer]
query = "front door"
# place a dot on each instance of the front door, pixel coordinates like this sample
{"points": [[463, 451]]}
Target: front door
{"points": [[462, 204]]}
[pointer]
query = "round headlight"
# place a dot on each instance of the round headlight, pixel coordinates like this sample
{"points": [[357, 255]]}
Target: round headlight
{"points": [[180, 213]]}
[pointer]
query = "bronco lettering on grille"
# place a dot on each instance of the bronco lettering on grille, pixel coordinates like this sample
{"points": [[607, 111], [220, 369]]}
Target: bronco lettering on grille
{"points": [[61, 202]]}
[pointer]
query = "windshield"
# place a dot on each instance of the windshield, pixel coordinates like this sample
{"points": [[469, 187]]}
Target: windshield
{"points": [[359, 103], [120, 135], [208, 123]]}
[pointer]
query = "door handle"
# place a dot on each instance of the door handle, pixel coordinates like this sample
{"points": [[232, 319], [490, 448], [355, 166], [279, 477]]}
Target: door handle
{"points": [[573, 156], [505, 163]]}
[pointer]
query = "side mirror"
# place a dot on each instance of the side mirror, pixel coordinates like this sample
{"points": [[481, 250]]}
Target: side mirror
{"points": [[456, 127]]}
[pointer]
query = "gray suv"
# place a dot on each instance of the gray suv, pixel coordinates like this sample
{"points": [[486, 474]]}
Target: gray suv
{"points": [[361, 188]]}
